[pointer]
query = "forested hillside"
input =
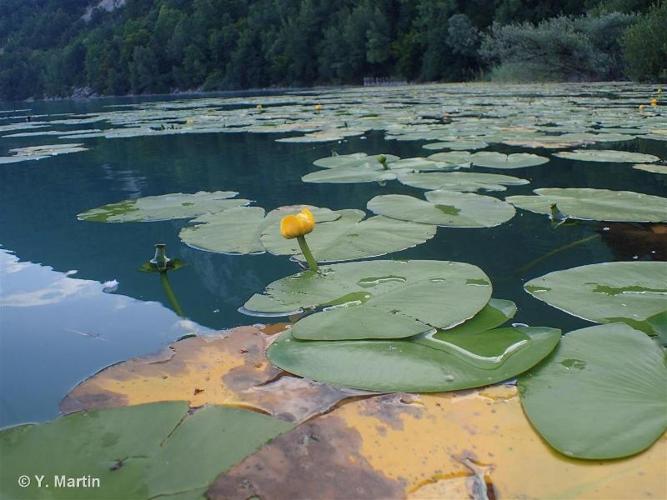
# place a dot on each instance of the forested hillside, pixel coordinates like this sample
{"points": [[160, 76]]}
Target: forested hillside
{"points": [[52, 47]]}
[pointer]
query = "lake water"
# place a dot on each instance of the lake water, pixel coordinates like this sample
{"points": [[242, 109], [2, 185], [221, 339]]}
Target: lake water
{"points": [[58, 326]]}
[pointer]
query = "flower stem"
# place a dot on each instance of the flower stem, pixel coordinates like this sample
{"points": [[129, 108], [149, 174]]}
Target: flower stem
{"points": [[171, 296], [305, 250]]}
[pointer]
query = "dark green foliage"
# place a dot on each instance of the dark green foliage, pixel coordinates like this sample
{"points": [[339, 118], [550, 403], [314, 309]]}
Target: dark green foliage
{"points": [[645, 45], [52, 47]]}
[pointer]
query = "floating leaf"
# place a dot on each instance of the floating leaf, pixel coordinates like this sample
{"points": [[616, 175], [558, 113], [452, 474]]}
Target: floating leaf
{"points": [[595, 204], [654, 169], [444, 208], [357, 322], [461, 362], [461, 145], [601, 395], [607, 155], [228, 369], [460, 181], [164, 207], [353, 160], [133, 452], [343, 175], [40, 152], [490, 159], [607, 292], [453, 445], [438, 293], [494, 314]]}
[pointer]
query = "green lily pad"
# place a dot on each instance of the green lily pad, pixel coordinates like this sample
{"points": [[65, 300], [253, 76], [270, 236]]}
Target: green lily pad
{"points": [[595, 204], [654, 169], [607, 155], [460, 181], [607, 292], [40, 152], [404, 365], [164, 207], [353, 160], [357, 322], [444, 208], [601, 395], [437, 293], [453, 157], [494, 314], [142, 451], [490, 159], [456, 145], [345, 175]]}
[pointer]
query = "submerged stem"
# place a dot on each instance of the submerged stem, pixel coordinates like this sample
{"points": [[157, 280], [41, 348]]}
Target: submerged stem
{"points": [[169, 292], [305, 250]]}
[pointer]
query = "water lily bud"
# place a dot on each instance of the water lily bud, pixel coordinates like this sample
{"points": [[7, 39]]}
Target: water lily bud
{"points": [[293, 226], [654, 102], [318, 107]]}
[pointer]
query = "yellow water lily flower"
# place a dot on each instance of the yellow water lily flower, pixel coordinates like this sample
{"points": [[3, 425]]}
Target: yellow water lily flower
{"points": [[318, 107], [641, 107], [293, 226], [654, 102]]}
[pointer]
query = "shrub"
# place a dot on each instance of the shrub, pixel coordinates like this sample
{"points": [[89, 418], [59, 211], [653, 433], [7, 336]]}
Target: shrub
{"points": [[561, 48], [645, 45]]}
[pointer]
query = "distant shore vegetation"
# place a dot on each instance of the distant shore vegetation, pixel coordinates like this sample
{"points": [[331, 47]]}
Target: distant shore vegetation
{"points": [[59, 48]]}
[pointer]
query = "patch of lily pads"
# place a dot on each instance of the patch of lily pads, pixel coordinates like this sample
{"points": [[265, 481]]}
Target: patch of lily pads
{"points": [[422, 326], [340, 235], [594, 204]]}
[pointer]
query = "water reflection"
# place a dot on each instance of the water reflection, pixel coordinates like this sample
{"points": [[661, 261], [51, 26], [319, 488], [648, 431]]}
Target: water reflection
{"points": [[57, 330]]}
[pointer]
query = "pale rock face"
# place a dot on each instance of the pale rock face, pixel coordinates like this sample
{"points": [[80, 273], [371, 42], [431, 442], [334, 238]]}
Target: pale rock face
{"points": [[107, 5]]}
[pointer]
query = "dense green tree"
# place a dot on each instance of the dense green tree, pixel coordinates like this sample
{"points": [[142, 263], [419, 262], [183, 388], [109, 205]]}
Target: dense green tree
{"points": [[51, 47]]}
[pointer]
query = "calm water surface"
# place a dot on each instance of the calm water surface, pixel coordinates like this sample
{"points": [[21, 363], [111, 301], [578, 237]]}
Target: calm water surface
{"points": [[59, 327]]}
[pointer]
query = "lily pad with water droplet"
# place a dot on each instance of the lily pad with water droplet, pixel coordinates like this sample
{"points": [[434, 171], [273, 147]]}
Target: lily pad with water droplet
{"points": [[607, 155], [601, 395], [489, 159], [444, 208], [606, 292], [406, 366], [460, 181], [164, 207], [437, 293], [595, 204]]}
